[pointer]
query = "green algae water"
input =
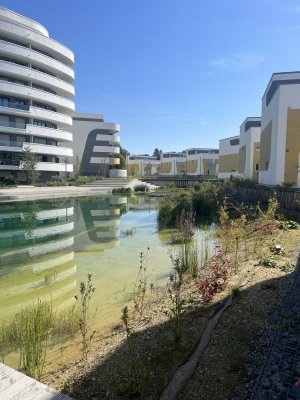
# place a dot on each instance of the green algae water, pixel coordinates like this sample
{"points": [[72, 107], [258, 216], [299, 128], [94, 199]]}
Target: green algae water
{"points": [[47, 248]]}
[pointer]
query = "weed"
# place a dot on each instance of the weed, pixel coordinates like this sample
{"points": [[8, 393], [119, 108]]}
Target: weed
{"points": [[177, 302], [86, 292], [277, 250], [142, 289], [286, 225], [136, 369], [268, 261], [287, 267]]}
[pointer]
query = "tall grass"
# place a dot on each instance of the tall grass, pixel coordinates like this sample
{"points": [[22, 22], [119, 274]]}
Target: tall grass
{"points": [[33, 326], [188, 257]]}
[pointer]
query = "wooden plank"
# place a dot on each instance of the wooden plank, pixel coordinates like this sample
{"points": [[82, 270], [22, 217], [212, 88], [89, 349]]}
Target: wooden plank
{"points": [[16, 386]]}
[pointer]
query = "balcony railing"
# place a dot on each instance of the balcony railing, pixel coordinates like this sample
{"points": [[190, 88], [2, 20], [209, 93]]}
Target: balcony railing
{"points": [[10, 104], [17, 125], [8, 143], [10, 162]]}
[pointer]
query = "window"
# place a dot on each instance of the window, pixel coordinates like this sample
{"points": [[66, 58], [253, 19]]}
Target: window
{"points": [[234, 142], [256, 167]]}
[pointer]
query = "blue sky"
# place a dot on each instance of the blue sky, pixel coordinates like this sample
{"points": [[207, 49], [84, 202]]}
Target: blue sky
{"points": [[174, 73]]}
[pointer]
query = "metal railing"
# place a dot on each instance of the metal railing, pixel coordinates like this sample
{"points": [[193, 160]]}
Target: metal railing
{"points": [[11, 104], [10, 162]]}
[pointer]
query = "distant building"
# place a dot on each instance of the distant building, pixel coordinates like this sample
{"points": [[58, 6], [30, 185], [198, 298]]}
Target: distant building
{"points": [[173, 163], [228, 157], [96, 146], [280, 131], [249, 150], [140, 165], [202, 161]]}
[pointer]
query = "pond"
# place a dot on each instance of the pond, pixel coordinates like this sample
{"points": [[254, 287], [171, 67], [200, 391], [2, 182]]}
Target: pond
{"points": [[47, 248]]}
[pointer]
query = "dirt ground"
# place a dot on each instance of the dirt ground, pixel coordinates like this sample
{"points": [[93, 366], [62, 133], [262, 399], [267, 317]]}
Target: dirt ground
{"points": [[222, 367]]}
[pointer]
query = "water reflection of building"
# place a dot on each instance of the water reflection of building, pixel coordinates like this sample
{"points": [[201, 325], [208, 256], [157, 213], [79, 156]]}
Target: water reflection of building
{"points": [[36, 255], [99, 222]]}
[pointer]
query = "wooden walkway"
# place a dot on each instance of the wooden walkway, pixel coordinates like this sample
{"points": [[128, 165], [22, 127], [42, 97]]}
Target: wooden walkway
{"points": [[16, 386]]}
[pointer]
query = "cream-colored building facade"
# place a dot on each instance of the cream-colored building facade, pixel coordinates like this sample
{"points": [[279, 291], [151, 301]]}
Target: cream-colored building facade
{"points": [[229, 157]]}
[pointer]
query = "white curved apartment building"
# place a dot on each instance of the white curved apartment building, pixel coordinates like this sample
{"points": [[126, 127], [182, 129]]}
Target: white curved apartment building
{"points": [[36, 97]]}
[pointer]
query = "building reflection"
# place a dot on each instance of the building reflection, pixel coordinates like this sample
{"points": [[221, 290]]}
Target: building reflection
{"points": [[98, 223], [36, 255]]}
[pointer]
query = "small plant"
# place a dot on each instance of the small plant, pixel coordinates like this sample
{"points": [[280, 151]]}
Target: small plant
{"points": [[86, 292], [268, 261], [129, 232], [236, 291], [286, 225], [142, 289], [122, 191], [33, 326], [50, 278], [177, 302], [217, 278], [141, 188], [287, 267], [277, 250], [136, 370]]}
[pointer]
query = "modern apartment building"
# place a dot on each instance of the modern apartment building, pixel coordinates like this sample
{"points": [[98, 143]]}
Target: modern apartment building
{"points": [[202, 161], [96, 146], [280, 131], [249, 150], [173, 163], [139, 165], [36, 97], [228, 157]]}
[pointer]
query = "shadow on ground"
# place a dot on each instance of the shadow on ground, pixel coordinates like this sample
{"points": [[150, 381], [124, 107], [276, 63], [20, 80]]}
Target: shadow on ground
{"points": [[222, 367]]}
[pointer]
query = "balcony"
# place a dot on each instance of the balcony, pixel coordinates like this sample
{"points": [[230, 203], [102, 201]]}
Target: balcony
{"points": [[58, 85], [9, 164], [51, 116], [16, 106], [106, 149], [37, 148], [40, 60], [54, 167], [51, 133], [27, 92]]}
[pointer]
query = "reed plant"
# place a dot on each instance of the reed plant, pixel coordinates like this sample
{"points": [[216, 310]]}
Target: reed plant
{"points": [[33, 327]]}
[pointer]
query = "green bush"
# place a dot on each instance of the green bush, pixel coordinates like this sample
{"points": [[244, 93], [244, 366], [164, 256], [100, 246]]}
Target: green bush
{"points": [[122, 191], [9, 180], [141, 188], [286, 225], [197, 186]]}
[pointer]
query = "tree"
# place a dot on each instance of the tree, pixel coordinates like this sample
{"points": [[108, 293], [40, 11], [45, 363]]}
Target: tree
{"points": [[29, 164], [157, 153], [77, 166]]}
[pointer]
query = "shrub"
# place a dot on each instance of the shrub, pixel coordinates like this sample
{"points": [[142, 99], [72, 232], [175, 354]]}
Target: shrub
{"points": [[268, 261], [9, 180], [197, 186], [286, 225], [216, 280], [277, 249], [141, 188], [122, 191]]}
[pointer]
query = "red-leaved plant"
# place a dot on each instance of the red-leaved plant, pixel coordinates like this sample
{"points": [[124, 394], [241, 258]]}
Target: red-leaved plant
{"points": [[217, 278]]}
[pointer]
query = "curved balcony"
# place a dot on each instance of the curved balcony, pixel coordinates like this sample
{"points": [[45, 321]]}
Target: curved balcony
{"points": [[37, 148], [54, 167], [17, 90], [106, 149], [9, 165], [113, 128], [50, 133], [27, 35], [105, 160], [21, 20], [51, 116], [61, 87], [27, 55], [111, 139]]}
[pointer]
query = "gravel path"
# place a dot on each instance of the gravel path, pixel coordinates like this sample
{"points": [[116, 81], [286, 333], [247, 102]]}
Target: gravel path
{"points": [[282, 367]]}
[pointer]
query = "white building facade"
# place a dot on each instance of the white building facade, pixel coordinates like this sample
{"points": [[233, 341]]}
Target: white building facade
{"points": [[202, 161], [139, 165], [173, 163], [96, 146], [36, 97], [280, 131], [249, 148]]}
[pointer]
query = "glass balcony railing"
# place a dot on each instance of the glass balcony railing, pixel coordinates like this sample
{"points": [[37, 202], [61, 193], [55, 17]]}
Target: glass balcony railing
{"points": [[10, 104], [18, 125], [10, 162], [9, 143]]}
